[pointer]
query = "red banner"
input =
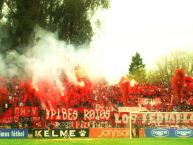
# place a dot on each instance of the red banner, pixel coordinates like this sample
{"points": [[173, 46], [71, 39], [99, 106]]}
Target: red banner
{"points": [[26, 111], [78, 113], [8, 117], [13, 114]]}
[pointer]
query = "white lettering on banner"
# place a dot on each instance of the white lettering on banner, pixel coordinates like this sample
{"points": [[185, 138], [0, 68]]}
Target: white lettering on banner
{"points": [[125, 118], [172, 119], [35, 119], [184, 118], [22, 111], [114, 133], [121, 118], [154, 118], [134, 118], [160, 132], [160, 118], [53, 113], [38, 133], [26, 111], [96, 114], [61, 114], [72, 114], [191, 118], [67, 133], [183, 132], [4, 134], [9, 119], [63, 133], [34, 111], [92, 124], [64, 114], [17, 110], [69, 114], [144, 121], [17, 133], [53, 134], [117, 120], [72, 133], [46, 133]]}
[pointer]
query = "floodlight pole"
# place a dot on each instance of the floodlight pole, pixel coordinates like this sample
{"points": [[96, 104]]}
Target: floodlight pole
{"points": [[130, 128]]}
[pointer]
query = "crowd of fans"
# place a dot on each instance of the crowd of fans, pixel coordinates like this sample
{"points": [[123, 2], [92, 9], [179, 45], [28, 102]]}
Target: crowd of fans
{"points": [[85, 93]]}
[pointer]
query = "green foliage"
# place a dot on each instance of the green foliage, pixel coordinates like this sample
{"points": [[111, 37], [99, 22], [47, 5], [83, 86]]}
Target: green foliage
{"points": [[137, 68], [1, 6], [136, 63], [167, 65], [70, 18]]}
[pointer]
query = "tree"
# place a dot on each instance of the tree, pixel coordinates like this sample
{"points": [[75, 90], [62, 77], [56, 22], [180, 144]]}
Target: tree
{"points": [[1, 6], [70, 18], [167, 65], [137, 68]]}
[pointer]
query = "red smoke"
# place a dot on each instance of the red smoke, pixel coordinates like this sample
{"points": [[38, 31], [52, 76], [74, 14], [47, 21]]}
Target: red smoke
{"points": [[86, 93], [3, 95], [177, 83], [125, 89]]}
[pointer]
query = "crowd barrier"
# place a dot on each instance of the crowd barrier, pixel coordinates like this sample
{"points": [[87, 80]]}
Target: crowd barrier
{"points": [[96, 133], [92, 133]]}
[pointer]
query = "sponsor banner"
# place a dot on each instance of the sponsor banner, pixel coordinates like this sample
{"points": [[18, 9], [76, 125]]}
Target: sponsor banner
{"points": [[169, 132], [158, 132], [13, 133], [109, 132], [63, 133], [184, 132]]}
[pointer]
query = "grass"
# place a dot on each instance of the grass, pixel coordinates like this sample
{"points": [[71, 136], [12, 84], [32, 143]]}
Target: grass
{"points": [[89, 141]]}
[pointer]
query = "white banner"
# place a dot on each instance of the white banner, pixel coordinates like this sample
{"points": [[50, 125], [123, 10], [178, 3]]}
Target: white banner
{"points": [[132, 109]]}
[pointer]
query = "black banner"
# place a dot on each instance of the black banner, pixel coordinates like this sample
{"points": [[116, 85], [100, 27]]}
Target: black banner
{"points": [[60, 133]]}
